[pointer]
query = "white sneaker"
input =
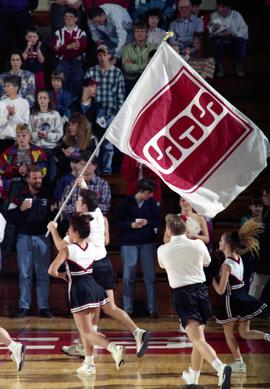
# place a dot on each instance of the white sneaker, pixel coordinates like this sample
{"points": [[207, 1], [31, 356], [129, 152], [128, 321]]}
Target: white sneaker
{"points": [[141, 338], [181, 328], [87, 369], [118, 354], [74, 350], [267, 337], [238, 367], [18, 355], [188, 377], [224, 377]]}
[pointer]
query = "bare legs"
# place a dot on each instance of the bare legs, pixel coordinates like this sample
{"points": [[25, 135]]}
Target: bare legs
{"points": [[5, 337]]}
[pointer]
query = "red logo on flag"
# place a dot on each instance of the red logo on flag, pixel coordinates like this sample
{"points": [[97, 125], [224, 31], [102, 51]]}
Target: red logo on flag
{"points": [[186, 132]]}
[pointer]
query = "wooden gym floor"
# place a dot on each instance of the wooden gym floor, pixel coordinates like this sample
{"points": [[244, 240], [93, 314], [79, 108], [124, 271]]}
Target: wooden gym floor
{"points": [[169, 353]]}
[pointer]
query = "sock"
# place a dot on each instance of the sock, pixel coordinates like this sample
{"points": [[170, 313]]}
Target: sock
{"points": [[89, 359], [95, 327], [217, 364], [12, 346], [196, 374], [136, 331], [239, 360], [111, 347]]}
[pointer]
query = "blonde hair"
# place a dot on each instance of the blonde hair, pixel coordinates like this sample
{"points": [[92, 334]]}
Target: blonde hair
{"points": [[83, 138], [175, 224], [22, 127], [246, 239]]}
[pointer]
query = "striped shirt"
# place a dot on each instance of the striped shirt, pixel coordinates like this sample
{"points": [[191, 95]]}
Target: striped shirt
{"points": [[64, 37], [116, 27]]}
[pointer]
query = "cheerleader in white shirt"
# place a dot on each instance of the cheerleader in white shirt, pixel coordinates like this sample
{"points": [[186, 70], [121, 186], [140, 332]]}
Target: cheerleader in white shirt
{"points": [[85, 295], [238, 307]]}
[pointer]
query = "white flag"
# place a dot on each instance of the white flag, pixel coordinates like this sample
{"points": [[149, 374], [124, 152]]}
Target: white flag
{"points": [[200, 145]]}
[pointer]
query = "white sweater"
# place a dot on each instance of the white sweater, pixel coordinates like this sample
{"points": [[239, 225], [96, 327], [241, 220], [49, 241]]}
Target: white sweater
{"points": [[8, 123], [50, 122]]}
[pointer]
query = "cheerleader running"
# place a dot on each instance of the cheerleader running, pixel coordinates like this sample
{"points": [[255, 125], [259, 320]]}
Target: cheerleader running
{"points": [[17, 349], [85, 295], [238, 306]]}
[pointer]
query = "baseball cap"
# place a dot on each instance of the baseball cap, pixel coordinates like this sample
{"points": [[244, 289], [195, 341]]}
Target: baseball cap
{"points": [[103, 48]]}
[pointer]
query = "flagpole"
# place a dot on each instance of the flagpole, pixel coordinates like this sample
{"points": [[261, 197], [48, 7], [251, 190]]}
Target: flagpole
{"points": [[75, 184]]}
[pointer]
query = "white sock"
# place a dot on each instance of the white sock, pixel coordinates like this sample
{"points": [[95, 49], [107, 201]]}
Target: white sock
{"points": [[12, 346], [136, 331], [196, 374], [89, 359], [111, 347], [239, 360], [95, 327], [217, 364]]}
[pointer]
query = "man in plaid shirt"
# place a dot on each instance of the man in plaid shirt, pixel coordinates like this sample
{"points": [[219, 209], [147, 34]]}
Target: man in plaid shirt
{"points": [[111, 95], [95, 183]]}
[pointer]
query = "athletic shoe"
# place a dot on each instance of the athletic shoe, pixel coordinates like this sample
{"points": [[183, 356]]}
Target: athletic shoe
{"points": [[87, 369], [18, 355], [267, 337], [238, 367], [141, 338], [181, 328], [74, 350], [118, 354], [224, 377], [188, 377]]}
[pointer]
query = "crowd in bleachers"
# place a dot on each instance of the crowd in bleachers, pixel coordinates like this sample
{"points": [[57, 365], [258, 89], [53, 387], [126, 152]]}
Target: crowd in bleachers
{"points": [[58, 97]]}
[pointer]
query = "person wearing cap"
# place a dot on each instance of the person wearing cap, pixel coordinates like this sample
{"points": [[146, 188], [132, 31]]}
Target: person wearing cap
{"points": [[60, 98], [111, 24], [136, 55], [185, 25], [88, 106], [111, 95], [69, 45]]}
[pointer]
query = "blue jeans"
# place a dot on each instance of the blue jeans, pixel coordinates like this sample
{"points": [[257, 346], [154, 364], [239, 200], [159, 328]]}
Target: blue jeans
{"points": [[106, 156], [33, 254], [222, 44], [73, 73], [148, 255]]}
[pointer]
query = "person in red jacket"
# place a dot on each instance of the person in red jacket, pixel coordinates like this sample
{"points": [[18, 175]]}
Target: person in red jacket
{"points": [[132, 172], [69, 44]]}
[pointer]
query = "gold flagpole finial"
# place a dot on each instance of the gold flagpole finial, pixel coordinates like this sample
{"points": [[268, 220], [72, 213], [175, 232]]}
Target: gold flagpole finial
{"points": [[168, 35]]}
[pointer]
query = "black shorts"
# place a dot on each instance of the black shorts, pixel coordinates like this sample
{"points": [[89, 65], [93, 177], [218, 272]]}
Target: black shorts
{"points": [[192, 303], [103, 273]]}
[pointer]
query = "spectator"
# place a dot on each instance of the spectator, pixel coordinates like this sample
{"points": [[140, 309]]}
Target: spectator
{"points": [[154, 20], [34, 56], [30, 214], [136, 55], [47, 130], [228, 28], [94, 182], [88, 106], [27, 88], [262, 265], [67, 178], [110, 24], [61, 98], [78, 138], [111, 95], [58, 9], [255, 210], [201, 57], [137, 219], [196, 10], [185, 25], [133, 171], [13, 110], [69, 44], [2, 233], [140, 7], [15, 18]]}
